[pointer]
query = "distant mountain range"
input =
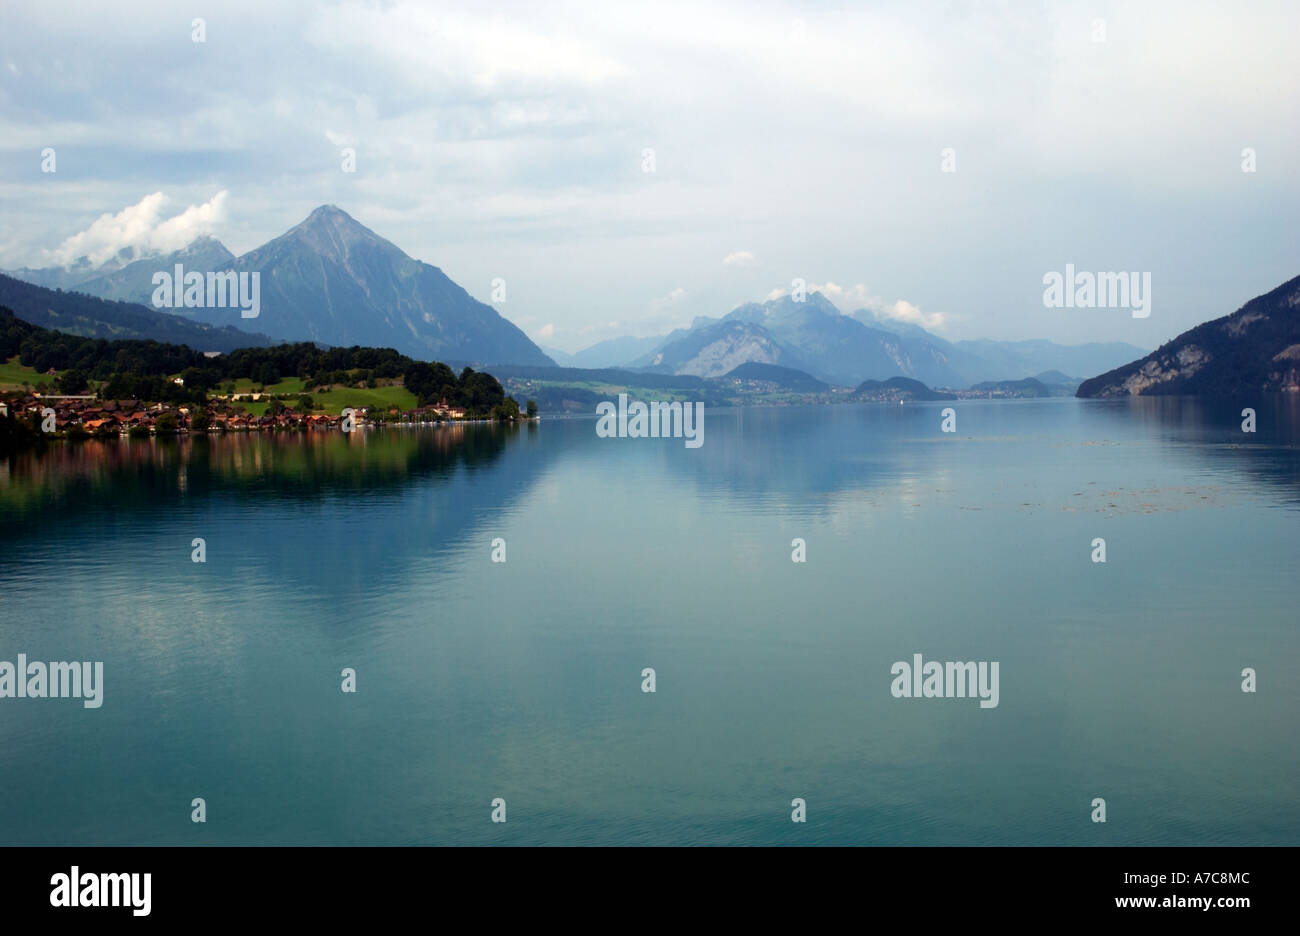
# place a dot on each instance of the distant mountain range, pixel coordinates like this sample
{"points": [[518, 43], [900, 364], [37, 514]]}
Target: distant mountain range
{"points": [[1254, 350], [334, 281], [330, 280], [713, 348], [612, 352], [815, 337], [133, 282]]}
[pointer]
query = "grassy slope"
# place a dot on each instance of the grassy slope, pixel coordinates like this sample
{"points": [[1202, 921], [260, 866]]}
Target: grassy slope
{"points": [[13, 374], [332, 401], [287, 385]]}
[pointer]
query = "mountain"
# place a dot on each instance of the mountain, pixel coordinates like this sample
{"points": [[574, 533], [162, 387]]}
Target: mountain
{"points": [[984, 361], [781, 378], [1254, 350], [561, 358], [334, 281], [74, 273], [1012, 360], [1050, 377], [133, 282], [92, 317], [711, 350], [840, 348], [812, 336], [848, 349], [897, 388], [613, 352]]}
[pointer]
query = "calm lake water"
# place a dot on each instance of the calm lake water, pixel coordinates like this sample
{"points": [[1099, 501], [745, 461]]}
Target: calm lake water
{"points": [[522, 680]]}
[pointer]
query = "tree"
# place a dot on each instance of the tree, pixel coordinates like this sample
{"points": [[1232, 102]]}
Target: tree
{"points": [[166, 424], [275, 408], [508, 409], [532, 409], [305, 403], [72, 381], [200, 422]]}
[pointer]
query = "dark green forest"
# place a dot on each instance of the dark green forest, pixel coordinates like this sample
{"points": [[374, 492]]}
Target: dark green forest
{"points": [[136, 369]]}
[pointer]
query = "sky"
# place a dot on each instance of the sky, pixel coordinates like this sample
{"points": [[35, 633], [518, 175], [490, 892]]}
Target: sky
{"points": [[625, 168]]}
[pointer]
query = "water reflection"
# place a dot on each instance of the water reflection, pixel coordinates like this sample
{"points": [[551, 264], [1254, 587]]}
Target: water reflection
{"points": [[64, 482]]}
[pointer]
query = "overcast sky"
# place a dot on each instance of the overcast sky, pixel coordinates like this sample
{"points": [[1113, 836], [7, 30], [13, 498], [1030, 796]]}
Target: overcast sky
{"points": [[789, 140]]}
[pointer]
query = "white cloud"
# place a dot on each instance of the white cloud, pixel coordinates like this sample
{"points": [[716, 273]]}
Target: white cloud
{"points": [[851, 298], [141, 228], [547, 330], [738, 258], [904, 311], [195, 221], [663, 302]]}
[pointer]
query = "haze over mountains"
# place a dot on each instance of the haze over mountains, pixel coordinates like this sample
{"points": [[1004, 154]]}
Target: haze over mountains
{"points": [[334, 281], [814, 336]]}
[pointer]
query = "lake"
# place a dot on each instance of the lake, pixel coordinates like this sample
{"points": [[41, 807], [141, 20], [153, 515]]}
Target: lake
{"points": [[523, 680]]}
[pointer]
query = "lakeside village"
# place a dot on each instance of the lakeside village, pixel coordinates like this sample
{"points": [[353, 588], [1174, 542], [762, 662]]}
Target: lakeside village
{"points": [[83, 416]]}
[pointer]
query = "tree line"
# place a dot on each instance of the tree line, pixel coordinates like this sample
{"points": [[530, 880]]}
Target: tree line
{"points": [[141, 369]]}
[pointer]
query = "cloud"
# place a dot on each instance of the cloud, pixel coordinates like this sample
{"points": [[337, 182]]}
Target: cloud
{"points": [[520, 129], [663, 302], [547, 330], [852, 298], [774, 294], [141, 229], [738, 258], [904, 311], [483, 52]]}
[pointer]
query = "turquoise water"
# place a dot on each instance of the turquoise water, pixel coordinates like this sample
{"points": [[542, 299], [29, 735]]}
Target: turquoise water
{"points": [[522, 680]]}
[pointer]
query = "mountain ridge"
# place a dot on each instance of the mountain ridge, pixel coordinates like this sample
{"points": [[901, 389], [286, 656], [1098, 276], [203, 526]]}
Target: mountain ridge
{"points": [[92, 317], [1255, 349]]}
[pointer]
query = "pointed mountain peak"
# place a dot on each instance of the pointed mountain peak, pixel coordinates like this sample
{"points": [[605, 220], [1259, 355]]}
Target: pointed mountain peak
{"points": [[335, 218], [329, 212], [208, 248], [332, 232]]}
